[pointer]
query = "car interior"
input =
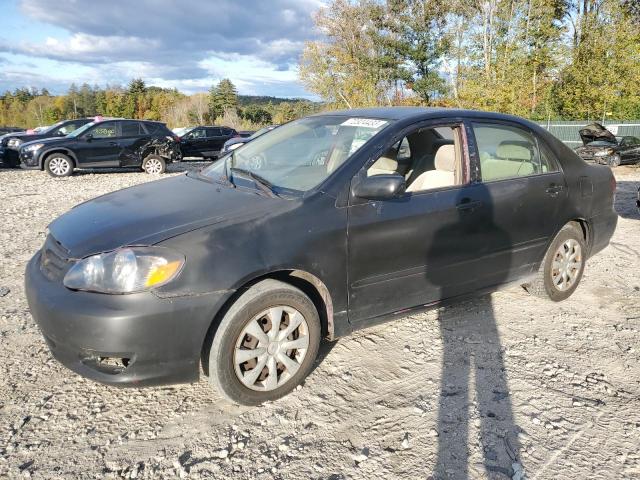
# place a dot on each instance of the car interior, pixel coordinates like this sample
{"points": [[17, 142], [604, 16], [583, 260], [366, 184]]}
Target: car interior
{"points": [[428, 158]]}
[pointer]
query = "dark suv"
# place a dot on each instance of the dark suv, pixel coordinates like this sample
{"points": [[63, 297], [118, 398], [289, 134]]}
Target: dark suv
{"points": [[205, 141], [10, 143], [105, 143]]}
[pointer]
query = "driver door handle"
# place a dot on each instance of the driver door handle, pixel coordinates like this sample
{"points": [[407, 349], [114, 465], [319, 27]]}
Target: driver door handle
{"points": [[113, 144], [554, 189], [466, 205]]}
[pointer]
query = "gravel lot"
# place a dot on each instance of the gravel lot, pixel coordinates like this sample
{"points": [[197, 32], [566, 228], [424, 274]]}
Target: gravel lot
{"points": [[500, 387]]}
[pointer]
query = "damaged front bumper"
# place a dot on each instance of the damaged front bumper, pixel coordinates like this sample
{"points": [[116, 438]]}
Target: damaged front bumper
{"points": [[125, 340]]}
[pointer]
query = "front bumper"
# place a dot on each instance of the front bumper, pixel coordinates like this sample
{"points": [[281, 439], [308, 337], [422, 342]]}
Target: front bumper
{"points": [[9, 157], [29, 159], [161, 338]]}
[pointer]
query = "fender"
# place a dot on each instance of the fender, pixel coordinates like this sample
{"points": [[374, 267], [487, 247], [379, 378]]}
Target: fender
{"points": [[64, 150]]}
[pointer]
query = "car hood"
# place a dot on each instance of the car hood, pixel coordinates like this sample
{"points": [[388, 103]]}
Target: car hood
{"points": [[595, 131], [43, 139], [152, 212]]}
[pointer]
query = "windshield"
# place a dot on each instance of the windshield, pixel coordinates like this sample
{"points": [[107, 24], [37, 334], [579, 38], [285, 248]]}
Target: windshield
{"points": [[301, 154], [261, 131], [81, 130]]}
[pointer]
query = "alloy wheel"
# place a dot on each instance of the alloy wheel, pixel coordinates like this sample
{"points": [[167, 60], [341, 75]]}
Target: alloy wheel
{"points": [[153, 166], [566, 265], [271, 348], [59, 166]]}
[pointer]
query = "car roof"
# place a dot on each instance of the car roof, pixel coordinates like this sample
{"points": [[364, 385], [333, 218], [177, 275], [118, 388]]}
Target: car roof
{"points": [[421, 113]]}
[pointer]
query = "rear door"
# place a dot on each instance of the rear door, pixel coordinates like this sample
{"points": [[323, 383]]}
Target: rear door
{"points": [[214, 141], [526, 188], [99, 146], [133, 137]]}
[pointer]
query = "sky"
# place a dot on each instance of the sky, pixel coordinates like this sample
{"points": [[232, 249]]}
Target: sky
{"points": [[186, 44]]}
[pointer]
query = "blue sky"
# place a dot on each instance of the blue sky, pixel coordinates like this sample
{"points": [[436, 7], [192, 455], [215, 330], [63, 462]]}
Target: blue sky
{"points": [[187, 44]]}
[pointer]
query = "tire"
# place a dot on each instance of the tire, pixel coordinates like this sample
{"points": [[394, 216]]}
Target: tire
{"points": [[154, 164], [255, 309], [550, 282], [58, 165], [614, 161]]}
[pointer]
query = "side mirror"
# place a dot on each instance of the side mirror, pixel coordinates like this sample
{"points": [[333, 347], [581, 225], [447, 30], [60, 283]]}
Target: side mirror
{"points": [[60, 133], [88, 137], [380, 187]]}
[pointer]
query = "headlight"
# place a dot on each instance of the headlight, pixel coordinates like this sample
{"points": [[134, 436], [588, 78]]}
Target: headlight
{"points": [[32, 148], [604, 153], [14, 142], [126, 270]]}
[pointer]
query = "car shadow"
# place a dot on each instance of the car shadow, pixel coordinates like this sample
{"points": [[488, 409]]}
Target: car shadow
{"points": [[626, 197], [472, 354]]}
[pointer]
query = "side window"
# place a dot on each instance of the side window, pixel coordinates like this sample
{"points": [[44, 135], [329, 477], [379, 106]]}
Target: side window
{"points": [[130, 129], [69, 127], [428, 159], [213, 132], [104, 130], [506, 152], [197, 133], [547, 161]]}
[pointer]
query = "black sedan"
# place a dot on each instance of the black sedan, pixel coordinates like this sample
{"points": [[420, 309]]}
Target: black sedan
{"points": [[348, 219], [602, 146]]}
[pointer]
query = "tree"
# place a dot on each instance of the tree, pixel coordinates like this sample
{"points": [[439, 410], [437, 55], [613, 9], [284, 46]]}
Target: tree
{"points": [[222, 97], [256, 114], [345, 68]]}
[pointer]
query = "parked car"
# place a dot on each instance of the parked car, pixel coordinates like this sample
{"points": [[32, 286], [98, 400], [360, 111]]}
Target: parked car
{"points": [[602, 146], [104, 143], [236, 142], [10, 144], [245, 268], [205, 141], [5, 130]]}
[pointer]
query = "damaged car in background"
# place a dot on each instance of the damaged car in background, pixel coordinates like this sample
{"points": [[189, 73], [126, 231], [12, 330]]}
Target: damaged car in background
{"points": [[107, 143], [602, 146]]}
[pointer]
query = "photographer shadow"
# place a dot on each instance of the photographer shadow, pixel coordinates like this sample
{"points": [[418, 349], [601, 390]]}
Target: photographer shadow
{"points": [[473, 355]]}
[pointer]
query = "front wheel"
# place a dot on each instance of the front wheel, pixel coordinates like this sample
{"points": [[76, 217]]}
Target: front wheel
{"points": [[562, 267], [265, 345], [58, 165], [154, 164]]}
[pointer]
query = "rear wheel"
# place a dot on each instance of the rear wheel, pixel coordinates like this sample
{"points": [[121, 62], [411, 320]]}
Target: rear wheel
{"points": [[562, 267], [58, 165], [265, 345], [154, 164]]}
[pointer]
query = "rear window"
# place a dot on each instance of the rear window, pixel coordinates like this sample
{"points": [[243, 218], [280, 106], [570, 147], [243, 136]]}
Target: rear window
{"points": [[131, 129]]}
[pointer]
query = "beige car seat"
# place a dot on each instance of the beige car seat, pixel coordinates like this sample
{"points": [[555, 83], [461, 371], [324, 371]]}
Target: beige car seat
{"points": [[386, 164], [442, 176]]}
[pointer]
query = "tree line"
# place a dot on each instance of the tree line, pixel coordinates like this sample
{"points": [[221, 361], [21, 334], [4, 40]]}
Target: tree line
{"points": [[30, 107], [542, 59]]}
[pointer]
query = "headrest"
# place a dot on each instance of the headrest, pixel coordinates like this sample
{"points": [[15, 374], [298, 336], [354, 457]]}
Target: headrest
{"points": [[445, 159], [514, 150], [388, 160]]}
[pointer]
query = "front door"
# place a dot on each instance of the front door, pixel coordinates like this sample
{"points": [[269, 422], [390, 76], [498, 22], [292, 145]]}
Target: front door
{"points": [[429, 243], [193, 143], [98, 146]]}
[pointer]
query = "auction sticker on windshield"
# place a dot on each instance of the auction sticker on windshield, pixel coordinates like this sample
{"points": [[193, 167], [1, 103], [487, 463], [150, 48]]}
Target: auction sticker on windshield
{"points": [[364, 122]]}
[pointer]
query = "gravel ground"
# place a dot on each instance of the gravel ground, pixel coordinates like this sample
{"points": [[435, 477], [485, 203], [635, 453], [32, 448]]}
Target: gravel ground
{"points": [[505, 386]]}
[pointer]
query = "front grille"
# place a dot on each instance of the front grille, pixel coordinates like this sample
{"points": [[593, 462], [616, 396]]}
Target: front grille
{"points": [[54, 259]]}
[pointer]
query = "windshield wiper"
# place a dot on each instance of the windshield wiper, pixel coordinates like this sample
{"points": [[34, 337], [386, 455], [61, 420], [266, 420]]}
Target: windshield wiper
{"points": [[261, 182]]}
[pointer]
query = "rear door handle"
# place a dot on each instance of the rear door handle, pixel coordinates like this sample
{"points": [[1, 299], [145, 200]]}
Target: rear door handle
{"points": [[467, 205], [554, 190], [113, 144]]}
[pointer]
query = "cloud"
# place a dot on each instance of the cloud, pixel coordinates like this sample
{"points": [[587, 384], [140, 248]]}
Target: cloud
{"points": [[193, 42]]}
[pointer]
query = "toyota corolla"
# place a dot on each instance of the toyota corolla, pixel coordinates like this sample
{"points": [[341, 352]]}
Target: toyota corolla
{"points": [[326, 225]]}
